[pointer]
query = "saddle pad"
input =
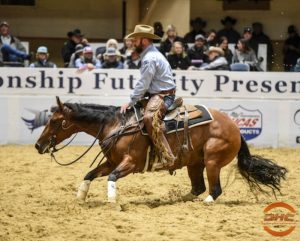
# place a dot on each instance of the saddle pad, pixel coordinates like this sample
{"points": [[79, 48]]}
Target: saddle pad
{"points": [[172, 125], [206, 117]]}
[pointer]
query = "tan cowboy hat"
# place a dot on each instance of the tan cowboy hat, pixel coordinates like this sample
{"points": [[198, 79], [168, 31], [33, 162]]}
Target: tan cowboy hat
{"points": [[216, 49], [143, 31]]}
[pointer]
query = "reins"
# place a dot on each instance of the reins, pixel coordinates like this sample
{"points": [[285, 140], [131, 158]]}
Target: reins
{"points": [[106, 143], [82, 155]]}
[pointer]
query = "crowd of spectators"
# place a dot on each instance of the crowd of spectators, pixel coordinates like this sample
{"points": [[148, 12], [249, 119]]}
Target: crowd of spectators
{"points": [[196, 50]]}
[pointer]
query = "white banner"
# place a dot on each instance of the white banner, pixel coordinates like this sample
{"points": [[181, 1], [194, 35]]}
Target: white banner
{"points": [[192, 84], [265, 106], [262, 123]]}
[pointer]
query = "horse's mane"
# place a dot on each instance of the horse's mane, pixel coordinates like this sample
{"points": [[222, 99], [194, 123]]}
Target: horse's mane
{"points": [[96, 113]]}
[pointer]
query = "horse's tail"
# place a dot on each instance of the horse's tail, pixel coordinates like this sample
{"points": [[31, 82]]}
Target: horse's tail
{"points": [[258, 170]]}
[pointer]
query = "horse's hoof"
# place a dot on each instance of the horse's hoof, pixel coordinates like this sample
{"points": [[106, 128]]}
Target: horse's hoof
{"points": [[114, 206], [209, 200], [111, 200], [83, 190]]}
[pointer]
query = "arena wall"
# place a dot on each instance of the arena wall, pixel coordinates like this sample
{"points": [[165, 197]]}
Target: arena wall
{"points": [[265, 105]]}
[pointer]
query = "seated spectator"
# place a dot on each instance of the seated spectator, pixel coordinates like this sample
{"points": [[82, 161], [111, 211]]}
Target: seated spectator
{"points": [[228, 31], [178, 58], [127, 49], [223, 44], [12, 53], [111, 43], [133, 62], [76, 55], [291, 49], [297, 66], [112, 59], [196, 54], [158, 30], [42, 61], [74, 37], [216, 60], [211, 39], [247, 34], [259, 37], [166, 45], [245, 55], [197, 24], [87, 60]]}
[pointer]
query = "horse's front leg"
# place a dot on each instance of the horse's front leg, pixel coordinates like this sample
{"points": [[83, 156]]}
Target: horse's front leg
{"points": [[100, 171], [125, 167]]}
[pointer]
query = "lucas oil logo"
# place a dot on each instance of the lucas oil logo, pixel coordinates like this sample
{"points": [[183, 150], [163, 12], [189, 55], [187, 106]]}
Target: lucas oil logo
{"points": [[249, 121]]}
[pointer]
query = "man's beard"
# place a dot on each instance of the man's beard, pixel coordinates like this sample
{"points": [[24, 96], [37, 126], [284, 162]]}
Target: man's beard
{"points": [[139, 48]]}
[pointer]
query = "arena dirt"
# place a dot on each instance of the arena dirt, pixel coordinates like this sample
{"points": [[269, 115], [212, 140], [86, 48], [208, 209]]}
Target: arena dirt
{"points": [[37, 202]]}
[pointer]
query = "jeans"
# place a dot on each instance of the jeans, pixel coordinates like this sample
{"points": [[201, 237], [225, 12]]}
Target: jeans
{"points": [[169, 99], [11, 54]]}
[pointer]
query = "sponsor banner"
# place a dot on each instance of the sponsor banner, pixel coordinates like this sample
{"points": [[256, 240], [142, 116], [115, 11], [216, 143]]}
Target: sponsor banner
{"points": [[257, 119], [249, 121], [111, 83]]}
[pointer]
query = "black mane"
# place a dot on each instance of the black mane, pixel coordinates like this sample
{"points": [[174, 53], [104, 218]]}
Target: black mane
{"points": [[95, 113]]}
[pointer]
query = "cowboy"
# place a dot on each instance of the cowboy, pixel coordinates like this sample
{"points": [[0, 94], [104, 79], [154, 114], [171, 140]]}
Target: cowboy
{"points": [[157, 80]]}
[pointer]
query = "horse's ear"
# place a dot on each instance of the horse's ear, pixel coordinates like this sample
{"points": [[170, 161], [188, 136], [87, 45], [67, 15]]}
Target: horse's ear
{"points": [[59, 104]]}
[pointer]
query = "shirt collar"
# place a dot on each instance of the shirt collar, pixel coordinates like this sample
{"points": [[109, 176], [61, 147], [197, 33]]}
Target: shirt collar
{"points": [[146, 50]]}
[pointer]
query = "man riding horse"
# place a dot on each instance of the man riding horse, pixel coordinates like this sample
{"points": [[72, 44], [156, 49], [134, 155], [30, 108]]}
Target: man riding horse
{"points": [[156, 80]]}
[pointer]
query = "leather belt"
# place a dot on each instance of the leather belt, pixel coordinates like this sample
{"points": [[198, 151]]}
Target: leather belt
{"points": [[164, 92], [168, 92]]}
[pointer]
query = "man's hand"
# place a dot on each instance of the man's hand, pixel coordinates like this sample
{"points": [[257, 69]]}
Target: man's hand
{"points": [[124, 108]]}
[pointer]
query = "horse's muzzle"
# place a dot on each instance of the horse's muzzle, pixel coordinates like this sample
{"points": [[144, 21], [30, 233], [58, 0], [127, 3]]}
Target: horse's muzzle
{"points": [[41, 149]]}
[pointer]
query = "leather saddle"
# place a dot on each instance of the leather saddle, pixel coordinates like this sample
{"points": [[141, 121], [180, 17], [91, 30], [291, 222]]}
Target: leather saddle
{"points": [[178, 116]]}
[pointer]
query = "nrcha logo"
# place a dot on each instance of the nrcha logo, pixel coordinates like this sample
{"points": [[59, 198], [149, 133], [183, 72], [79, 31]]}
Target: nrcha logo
{"points": [[40, 119], [279, 219], [249, 121]]}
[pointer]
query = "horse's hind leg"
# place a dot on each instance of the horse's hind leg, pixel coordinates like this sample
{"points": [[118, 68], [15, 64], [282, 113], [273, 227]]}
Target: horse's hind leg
{"points": [[196, 176], [100, 171], [213, 176]]}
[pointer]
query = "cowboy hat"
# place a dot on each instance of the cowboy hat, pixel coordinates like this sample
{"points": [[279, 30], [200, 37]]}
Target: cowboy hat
{"points": [[228, 19], [143, 31], [216, 49]]}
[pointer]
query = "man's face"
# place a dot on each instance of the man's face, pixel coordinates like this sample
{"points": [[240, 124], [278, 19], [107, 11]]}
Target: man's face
{"points": [[199, 43], [88, 55], [138, 44], [76, 39], [4, 30], [247, 35]]}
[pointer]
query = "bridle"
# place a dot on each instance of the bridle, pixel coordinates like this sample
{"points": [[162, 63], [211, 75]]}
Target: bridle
{"points": [[52, 140], [52, 144], [106, 144]]}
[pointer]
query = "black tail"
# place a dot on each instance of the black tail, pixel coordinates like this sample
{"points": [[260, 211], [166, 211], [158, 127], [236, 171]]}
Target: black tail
{"points": [[258, 170]]}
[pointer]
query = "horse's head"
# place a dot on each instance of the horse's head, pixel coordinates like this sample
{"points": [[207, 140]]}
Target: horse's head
{"points": [[58, 128]]}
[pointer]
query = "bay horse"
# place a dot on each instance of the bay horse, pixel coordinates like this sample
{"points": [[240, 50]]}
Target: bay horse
{"points": [[215, 145]]}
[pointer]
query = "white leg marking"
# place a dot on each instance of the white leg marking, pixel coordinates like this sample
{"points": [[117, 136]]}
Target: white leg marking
{"points": [[111, 191], [83, 190], [209, 199]]}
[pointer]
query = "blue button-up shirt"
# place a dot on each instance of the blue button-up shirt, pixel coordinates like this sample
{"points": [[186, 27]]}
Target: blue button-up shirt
{"points": [[156, 74]]}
